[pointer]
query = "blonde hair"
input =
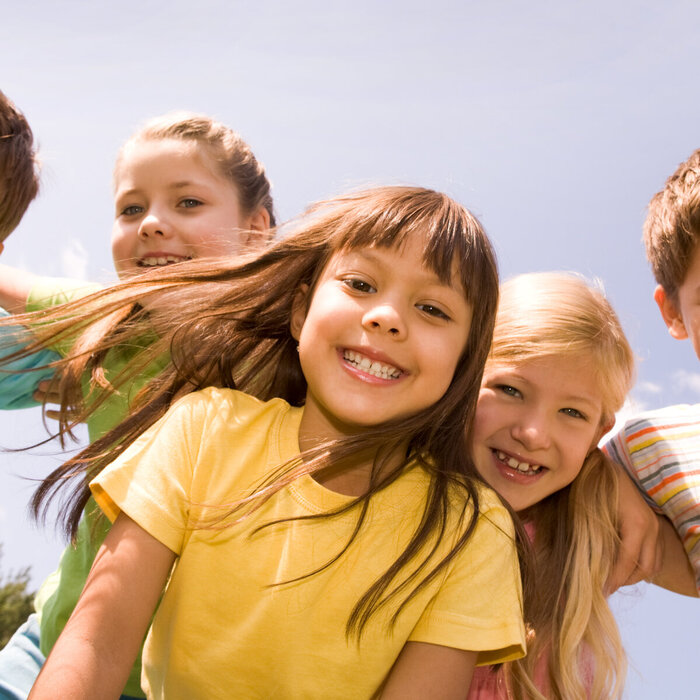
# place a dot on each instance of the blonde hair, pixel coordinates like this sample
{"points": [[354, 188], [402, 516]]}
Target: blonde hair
{"points": [[19, 167], [234, 157], [575, 543], [232, 329], [672, 226]]}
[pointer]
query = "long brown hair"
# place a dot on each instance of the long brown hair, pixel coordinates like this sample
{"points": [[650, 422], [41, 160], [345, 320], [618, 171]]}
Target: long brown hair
{"points": [[231, 329]]}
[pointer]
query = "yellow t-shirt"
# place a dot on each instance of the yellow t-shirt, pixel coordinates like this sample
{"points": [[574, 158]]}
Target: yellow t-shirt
{"points": [[222, 631]]}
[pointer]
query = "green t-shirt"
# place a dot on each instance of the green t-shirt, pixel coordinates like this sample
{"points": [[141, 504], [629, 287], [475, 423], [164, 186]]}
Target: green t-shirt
{"points": [[59, 594]]}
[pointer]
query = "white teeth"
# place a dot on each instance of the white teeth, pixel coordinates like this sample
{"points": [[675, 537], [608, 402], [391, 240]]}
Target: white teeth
{"points": [[373, 367], [513, 463], [153, 261]]}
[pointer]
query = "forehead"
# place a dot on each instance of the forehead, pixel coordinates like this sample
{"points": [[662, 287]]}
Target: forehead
{"points": [[178, 159]]}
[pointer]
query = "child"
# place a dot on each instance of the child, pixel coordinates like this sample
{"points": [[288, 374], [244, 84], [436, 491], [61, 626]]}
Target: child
{"points": [[559, 368], [327, 538], [19, 184], [660, 449], [185, 187]]}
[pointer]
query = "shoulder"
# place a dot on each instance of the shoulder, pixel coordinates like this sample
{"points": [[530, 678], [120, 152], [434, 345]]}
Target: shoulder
{"points": [[493, 517], [229, 410]]}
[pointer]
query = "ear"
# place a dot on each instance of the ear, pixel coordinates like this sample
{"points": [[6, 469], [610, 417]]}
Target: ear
{"points": [[257, 230], [670, 313], [299, 309]]}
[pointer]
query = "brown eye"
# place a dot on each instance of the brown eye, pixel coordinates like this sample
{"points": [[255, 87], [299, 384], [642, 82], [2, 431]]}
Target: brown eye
{"points": [[359, 285]]}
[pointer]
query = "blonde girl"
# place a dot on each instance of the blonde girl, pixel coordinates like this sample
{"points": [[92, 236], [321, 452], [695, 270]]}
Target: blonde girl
{"points": [[185, 187], [559, 368], [325, 532]]}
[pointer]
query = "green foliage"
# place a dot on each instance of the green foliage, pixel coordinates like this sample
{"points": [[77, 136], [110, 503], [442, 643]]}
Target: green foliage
{"points": [[15, 602]]}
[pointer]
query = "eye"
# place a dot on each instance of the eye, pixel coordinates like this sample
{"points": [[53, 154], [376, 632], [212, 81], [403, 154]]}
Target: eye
{"points": [[189, 203], [433, 310], [132, 210], [509, 390], [573, 412], [359, 285]]}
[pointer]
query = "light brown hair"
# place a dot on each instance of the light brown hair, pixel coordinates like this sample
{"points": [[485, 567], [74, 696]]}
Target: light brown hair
{"points": [[672, 226], [19, 169]]}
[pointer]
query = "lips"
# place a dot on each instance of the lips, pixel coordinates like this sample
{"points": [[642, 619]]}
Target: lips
{"points": [[372, 366]]}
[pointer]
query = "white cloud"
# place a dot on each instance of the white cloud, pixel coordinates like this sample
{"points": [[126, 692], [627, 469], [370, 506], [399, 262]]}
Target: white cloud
{"points": [[74, 260], [648, 388], [686, 381]]}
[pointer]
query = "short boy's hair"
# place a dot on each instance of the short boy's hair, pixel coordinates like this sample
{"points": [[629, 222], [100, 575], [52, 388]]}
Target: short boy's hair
{"points": [[19, 173], [672, 226]]}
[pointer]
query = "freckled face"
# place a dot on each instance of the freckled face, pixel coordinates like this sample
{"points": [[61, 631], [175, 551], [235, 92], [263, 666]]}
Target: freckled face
{"points": [[380, 339], [172, 204], [536, 422]]}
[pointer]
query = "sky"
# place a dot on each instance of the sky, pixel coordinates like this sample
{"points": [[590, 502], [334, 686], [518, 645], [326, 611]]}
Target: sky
{"points": [[554, 122]]}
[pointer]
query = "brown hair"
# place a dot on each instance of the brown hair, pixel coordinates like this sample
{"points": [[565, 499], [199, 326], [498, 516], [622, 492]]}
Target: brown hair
{"points": [[233, 155], [232, 329], [19, 172], [672, 226], [561, 315]]}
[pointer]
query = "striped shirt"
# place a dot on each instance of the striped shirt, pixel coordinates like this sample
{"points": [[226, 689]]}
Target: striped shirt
{"points": [[661, 450]]}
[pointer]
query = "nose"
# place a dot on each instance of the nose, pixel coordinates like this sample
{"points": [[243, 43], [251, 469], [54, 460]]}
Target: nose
{"points": [[531, 431], [384, 318], [154, 226]]}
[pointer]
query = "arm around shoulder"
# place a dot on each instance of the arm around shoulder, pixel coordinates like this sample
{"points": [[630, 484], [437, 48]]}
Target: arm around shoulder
{"points": [[94, 654]]}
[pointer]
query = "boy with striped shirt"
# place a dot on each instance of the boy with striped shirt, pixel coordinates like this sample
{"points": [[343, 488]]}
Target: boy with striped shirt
{"points": [[661, 448]]}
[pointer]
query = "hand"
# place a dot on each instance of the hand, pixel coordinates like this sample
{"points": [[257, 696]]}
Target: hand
{"points": [[641, 552], [47, 393]]}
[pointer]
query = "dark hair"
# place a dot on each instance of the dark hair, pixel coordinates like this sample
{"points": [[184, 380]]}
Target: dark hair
{"points": [[19, 172]]}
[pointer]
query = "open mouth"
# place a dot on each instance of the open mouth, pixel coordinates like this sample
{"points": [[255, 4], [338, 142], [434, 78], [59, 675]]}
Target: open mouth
{"points": [[369, 366], [161, 260], [516, 465]]}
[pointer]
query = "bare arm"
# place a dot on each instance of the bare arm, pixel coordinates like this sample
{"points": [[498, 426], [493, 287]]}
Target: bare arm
{"points": [[430, 671], [640, 554], [676, 574], [94, 654], [15, 286]]}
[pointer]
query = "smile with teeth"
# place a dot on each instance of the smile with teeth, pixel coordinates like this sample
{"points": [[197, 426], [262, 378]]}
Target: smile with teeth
{"points": [[160, 260], [522, 467], [373, 367]]}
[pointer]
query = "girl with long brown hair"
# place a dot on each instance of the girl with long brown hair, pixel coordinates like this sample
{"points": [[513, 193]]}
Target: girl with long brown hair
{"points": [[322, 534]]}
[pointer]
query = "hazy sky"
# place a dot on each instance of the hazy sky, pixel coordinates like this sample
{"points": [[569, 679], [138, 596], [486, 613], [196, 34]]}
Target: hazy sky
{"points": [[554, 122]]}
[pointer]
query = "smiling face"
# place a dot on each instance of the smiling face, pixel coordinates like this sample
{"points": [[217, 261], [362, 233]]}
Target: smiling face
{"points": [[380, 339], [172, 204], [536, 422]]}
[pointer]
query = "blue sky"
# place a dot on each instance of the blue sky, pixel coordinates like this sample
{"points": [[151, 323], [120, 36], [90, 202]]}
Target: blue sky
{"points": [[554, 122]]}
